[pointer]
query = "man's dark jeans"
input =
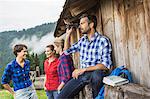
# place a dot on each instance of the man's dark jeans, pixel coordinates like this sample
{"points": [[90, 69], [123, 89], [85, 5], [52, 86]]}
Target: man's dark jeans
{"points": [[74, 86]]}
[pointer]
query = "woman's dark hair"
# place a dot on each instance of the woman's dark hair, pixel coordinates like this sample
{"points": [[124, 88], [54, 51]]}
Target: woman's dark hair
{"points": [[51, 47], [91, 18], [18, 48]]}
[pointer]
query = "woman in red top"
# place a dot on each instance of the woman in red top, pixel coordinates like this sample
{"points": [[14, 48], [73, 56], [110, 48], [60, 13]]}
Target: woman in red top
{"points": [[51, 82]]}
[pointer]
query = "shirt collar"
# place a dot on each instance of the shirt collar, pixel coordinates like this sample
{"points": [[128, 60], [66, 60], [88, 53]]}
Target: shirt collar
{"points": [[16, 64], [53, 60], [93, 37]]}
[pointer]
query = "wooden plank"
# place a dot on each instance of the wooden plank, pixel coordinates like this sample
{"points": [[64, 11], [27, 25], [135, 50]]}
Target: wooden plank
{"points": [[75, 56], [128, 91], [141, 43], [99, 20], [121, 35], [80, 6], [107, 21], [132, 91], [147, 39], [138, 51], [132, 46], [113, 92]]}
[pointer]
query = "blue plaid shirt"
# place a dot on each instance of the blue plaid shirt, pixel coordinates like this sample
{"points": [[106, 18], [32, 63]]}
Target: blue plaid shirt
{"points": [[97, 50], [19, 76]]}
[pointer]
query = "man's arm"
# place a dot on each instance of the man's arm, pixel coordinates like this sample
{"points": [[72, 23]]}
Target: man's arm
{"points": [[75, 47], [7, 87], [6, 78], [78, 72], [67, 39]]}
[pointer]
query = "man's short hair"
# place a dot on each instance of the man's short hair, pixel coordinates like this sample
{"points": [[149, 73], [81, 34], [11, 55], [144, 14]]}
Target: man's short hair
{"points": [[91, 18], [18, 48]]}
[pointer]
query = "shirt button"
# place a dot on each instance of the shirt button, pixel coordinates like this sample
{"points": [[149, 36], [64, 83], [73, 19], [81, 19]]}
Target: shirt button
{"points": [[24, 74], [25, 83]]}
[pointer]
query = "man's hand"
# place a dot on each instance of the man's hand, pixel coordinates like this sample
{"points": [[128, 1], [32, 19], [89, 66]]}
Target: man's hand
{"points": [[78, 72], [69, 31]]}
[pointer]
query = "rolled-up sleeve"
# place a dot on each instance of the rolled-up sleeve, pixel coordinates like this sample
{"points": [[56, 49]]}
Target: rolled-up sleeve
{"points": [[106, 53], [6, 77], [74, 48]]}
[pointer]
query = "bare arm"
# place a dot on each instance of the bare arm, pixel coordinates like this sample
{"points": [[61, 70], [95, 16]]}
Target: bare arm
{"points": [[60, 86], [97, 67], [67, 39], [78, 72], [7, 87], [44, 82]]}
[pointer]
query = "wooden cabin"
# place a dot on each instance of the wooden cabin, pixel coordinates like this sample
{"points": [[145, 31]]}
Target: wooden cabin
{"points": [[125, 22]]}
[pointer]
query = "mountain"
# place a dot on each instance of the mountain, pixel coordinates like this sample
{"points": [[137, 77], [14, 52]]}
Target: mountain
{"points": [[8, 37]]}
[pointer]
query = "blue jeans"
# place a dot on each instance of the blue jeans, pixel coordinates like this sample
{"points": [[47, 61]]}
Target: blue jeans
{"points": [[51, 94], [26, 93], [74, 86]]}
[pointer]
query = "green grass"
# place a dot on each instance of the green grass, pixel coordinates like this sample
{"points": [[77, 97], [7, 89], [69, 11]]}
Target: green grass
{"points": [[41, 94], [6, 95]]}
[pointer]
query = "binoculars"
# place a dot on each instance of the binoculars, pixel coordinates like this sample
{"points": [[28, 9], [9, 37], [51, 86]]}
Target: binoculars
{"points": [[72, 25]]}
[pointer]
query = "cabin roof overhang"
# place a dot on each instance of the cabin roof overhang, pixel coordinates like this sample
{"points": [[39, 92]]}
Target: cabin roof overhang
{"points": [[72, 10]]}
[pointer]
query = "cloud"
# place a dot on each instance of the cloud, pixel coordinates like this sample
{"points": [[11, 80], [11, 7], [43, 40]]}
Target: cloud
{"points": [[35, 44], [23, 14]]}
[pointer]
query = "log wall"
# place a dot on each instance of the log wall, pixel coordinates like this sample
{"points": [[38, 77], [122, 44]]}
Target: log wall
{"points": [[127, 24]]}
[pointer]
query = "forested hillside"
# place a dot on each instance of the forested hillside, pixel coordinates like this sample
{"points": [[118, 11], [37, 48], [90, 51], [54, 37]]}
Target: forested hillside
{"points": [[7, 37]]}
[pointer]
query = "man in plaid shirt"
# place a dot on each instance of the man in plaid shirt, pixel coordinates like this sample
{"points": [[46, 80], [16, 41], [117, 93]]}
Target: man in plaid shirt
{"points": [[18, 71], [95, 59]]}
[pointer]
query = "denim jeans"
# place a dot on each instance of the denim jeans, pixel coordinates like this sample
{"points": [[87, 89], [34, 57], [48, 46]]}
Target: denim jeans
{"points": [[26, 93], [74, 86], [51, 94]]}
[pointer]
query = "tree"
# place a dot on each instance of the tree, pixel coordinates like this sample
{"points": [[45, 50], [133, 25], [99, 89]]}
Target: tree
{"points": [[42, 57]]}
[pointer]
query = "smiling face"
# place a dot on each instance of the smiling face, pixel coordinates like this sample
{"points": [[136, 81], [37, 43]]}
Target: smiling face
{"points": [[48, 52], [20, 51], [23, 53]]}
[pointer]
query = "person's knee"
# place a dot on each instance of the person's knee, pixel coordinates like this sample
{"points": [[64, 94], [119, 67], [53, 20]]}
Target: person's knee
{"points": [[97, 75]]}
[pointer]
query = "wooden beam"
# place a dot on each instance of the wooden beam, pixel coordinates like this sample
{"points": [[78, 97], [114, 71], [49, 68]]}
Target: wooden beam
{"points": [[81, 6]]}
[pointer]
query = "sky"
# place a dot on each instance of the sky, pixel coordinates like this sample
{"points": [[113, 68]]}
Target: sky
{"points": [[23, 14]]}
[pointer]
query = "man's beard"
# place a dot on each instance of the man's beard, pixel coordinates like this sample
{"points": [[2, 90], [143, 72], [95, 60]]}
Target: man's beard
{"points": [[85, 32]]}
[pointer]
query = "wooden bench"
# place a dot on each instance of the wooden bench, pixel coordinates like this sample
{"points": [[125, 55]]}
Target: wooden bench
{"points": [[128, 91], [86, 93]]}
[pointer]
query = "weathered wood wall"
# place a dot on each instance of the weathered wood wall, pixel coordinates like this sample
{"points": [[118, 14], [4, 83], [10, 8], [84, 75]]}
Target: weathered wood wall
{"points": [[127, 24], [128, 91]]}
